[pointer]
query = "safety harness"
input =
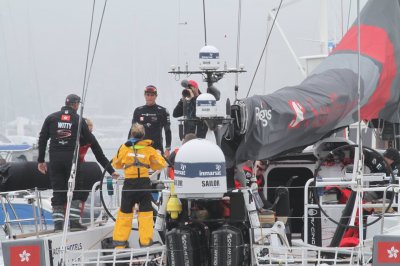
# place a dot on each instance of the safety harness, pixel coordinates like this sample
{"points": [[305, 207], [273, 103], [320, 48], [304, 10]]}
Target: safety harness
{"points": [[136, 163]]}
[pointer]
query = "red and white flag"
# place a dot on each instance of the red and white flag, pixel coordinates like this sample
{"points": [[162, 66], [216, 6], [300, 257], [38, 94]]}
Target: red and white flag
{"points": [[25, 255]]}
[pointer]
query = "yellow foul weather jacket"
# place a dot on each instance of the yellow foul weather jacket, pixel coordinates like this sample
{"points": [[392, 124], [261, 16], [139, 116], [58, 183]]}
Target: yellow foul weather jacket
{"points": [[137, 159]]}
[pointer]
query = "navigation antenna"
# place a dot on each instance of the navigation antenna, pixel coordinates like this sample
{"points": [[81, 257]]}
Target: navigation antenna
{"points": [[209, 61], [209, 69], [238, 49], [204, 21]]}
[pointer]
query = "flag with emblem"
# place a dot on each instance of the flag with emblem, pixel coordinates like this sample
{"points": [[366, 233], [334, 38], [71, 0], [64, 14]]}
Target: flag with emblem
{"points": [[25, 255], [65, 118], [326, 101], [386, 250], [23, 252]]}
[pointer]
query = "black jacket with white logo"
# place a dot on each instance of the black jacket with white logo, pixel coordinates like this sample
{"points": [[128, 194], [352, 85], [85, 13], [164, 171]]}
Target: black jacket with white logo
{"points": [[154, 118], [61, 128]]}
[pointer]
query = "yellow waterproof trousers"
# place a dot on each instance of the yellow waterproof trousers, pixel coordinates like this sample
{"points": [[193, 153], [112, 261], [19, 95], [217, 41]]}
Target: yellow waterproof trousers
{"points": [[123, 227], [146, 225]]}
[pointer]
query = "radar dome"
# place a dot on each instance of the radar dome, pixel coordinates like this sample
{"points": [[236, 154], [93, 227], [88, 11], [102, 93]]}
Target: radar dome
{"points": [[200, 170]]}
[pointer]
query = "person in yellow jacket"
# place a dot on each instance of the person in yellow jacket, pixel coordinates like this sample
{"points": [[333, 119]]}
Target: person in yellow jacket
{"points": [[136, 157]]}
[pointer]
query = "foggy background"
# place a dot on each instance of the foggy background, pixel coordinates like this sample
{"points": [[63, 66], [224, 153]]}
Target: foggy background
{"points": [[43, 46]]}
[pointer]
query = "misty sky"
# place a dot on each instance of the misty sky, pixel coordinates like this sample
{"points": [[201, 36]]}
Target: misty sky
{"points": [[43, 46]]}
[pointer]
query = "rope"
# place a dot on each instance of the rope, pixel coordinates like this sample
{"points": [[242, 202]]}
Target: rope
{"points": [[71, 181], [348, 17], [265, 46], [95, 46]]}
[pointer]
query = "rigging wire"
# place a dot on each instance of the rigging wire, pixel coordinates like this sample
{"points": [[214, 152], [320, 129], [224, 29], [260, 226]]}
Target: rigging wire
{"points": [[266, 63], [33, 62], [179, 32], [71, 181], [238, 49], [95, 46], [204, 21], [348, 17], [88, 53], [265, 46], [341, 18], [359, 202]]}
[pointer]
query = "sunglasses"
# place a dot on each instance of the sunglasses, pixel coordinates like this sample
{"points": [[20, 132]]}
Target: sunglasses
{"points": [[261, 169]]}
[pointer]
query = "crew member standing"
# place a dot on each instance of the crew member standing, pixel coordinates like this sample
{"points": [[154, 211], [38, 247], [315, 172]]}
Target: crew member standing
{"points": [[136, 157], [154, 118], [61, 128]]}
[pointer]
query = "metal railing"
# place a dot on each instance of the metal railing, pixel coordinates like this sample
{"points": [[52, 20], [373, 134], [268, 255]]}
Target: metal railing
{"points": [[154, 255], [34, 199]]}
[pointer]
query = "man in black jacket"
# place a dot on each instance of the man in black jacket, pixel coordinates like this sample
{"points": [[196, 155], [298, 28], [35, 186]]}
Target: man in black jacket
{"points": [[154, 118], [61, 128]]}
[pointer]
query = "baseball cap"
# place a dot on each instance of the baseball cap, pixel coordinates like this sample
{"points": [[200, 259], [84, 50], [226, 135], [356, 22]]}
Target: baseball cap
{"points": [[150, 89], [72, 98], [392, 154], [193, 84]]}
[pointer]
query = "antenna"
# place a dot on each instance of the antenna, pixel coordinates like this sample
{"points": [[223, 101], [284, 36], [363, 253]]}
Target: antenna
{"points": [[204, 20], [238, 49]]}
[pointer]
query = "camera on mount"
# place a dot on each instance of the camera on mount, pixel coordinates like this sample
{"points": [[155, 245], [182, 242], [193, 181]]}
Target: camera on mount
{"points": [[187, 94]]}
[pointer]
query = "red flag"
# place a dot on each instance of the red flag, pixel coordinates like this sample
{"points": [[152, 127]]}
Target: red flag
{"points": [[388, 252], [25, 255], [65, 118]]}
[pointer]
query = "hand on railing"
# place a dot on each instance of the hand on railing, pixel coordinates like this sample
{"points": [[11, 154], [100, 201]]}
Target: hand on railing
{"points": [[115, 175]]}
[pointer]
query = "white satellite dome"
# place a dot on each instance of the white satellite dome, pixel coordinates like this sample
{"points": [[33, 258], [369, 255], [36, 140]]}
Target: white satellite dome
{"points": [[200, 170], [209, 58], [206, 106]]}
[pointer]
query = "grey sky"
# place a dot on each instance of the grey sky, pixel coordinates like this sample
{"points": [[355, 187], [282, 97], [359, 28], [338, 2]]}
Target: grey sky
{"points": [[43, 49]]}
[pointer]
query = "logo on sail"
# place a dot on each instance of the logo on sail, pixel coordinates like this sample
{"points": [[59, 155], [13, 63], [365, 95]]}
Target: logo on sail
{"points": [[263, 115], [298, 110]]}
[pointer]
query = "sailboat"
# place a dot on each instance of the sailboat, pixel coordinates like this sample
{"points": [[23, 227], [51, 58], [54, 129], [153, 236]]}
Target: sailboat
{"points": [[358, 81]]}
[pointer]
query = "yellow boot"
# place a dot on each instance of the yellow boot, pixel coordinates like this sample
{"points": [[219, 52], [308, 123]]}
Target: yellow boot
{"points": [[122, 229], [146, 223]]}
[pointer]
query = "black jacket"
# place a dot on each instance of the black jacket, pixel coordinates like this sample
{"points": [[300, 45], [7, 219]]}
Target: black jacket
{"points": [[193, 125], [376, 164], [154, 118], [61, 128]]}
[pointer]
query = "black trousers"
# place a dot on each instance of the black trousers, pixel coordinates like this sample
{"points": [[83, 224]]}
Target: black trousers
{"points": [[136, 190], [60, 168]]}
